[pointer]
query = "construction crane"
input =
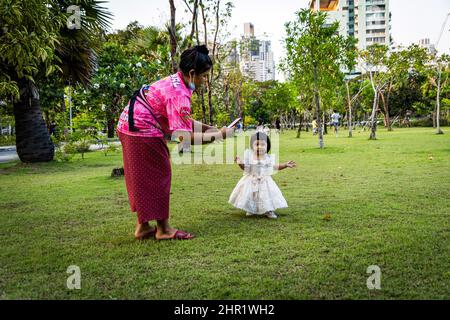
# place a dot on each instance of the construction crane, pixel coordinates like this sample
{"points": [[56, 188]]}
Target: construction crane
{"points": [[442, 30], [439, 75]]}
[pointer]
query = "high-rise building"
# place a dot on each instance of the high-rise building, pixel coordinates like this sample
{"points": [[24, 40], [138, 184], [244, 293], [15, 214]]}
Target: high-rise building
{"points": [[256, 56], [369, 21], [426, 43], [249, 30]]}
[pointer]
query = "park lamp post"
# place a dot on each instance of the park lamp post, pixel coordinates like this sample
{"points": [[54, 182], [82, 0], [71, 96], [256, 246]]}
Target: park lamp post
{"points": [[70, 109]]}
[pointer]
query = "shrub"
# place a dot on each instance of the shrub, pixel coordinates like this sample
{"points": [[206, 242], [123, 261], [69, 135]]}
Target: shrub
{"points": [[7, 140], [82, 147], [427, 122], [109, 148]]}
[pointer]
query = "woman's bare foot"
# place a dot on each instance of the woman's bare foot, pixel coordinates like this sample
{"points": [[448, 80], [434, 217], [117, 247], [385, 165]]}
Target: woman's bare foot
{"points": [[144, 231], [172, 233], [164, 232]]}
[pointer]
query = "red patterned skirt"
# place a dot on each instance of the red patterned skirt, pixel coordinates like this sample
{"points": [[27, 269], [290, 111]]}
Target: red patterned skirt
{"points": [[148, 176]]}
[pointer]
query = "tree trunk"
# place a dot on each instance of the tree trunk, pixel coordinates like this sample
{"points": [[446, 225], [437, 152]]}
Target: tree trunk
{"points": [[386, 108], [47, 120], [438, 103], [210, 107], [387, 120], [373, 129], [213, 57], [173, 39], [350, 132], [111, 130], [64, 123], [33, 141], [202, 98], [318, 112], [300, 126], [433, 117], [194, 23], [226, 97], [208, 81]]}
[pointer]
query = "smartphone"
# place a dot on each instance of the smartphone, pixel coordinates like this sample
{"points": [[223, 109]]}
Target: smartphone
{"points": [[234, 123]]}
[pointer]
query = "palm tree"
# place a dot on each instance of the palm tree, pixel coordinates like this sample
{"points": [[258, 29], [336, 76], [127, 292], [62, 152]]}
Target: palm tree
{"points": [[154, 44], [41, 45]]}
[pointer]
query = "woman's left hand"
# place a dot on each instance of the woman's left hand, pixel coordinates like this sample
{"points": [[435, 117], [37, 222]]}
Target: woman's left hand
{"points": [[227, 132]]}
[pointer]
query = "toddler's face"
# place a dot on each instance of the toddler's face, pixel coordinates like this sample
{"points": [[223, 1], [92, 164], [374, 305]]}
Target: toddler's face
{"points": [[260, 147]]}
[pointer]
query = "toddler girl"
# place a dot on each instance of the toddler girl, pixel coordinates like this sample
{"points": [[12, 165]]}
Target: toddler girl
{"points": [[256, 192]]}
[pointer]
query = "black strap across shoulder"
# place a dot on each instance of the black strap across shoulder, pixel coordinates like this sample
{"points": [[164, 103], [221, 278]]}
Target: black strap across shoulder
{"points": [[138, 95]]}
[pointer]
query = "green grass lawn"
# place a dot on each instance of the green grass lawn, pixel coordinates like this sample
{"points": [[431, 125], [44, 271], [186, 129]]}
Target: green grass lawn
{"points": [[354, 204]]}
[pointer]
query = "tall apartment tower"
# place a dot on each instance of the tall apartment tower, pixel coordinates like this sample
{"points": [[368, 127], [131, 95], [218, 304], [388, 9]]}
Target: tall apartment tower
{"points": [[426, 43], [249, 30], [256, 56], [369, 21]]}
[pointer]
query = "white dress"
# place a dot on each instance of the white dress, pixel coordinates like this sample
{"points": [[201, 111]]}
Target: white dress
{"points": [[256, 192]]}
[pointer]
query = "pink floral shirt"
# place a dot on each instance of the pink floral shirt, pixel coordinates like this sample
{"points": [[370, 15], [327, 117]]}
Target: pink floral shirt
{"points": [[171, 102]]}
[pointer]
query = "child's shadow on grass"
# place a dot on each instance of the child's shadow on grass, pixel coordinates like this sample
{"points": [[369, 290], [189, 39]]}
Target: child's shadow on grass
{"points": [[233, 221]]}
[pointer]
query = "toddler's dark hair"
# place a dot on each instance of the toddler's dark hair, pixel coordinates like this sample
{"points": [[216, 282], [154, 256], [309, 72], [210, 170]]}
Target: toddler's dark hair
{"points": [[260, 136], [196, 58]]}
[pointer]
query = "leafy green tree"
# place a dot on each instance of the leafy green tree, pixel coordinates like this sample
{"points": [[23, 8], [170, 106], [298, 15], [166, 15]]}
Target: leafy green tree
{"points": [[118, 76], [374, 60], [316, 56], [28, 38], [402, 67], [442, 64], [35, 42]]}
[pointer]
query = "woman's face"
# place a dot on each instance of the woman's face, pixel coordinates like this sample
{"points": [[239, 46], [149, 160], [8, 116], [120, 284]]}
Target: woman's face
{"points": [[260, 147], [200, 79]]}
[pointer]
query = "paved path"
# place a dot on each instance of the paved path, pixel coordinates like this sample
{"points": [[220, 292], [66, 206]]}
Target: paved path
{"points": [[8, 153]]}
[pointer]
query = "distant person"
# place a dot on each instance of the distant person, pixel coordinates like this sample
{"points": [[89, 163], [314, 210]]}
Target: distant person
{"points": [[335, 117], [239, 127], [278, 125], [314, 126]]}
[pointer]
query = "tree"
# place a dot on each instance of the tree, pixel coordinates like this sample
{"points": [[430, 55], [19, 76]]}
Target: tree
{"points": [[316, 56], [173, 38], [442, 63], [214, 15], [401, 66], [35, 42], [28, 37], [118, 75], [374, 61], [280, 99]]}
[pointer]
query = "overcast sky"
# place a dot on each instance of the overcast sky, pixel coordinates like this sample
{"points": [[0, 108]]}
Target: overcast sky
{"points": [[412, 20]]}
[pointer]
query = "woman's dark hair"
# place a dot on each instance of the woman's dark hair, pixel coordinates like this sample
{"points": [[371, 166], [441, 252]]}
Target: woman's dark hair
{"points": [[195, 58], [260, 136]]}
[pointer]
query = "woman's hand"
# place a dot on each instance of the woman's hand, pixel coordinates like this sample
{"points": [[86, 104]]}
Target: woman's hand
{"points": [[238, 160], [226, 132]]}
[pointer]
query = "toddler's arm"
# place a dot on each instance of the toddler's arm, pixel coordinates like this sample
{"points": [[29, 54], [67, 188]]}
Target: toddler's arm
{"points": [[239, 162], [282, 166]]}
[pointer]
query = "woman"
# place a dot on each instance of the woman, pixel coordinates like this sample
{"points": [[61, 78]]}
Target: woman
{"points": [[155, 112]]}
